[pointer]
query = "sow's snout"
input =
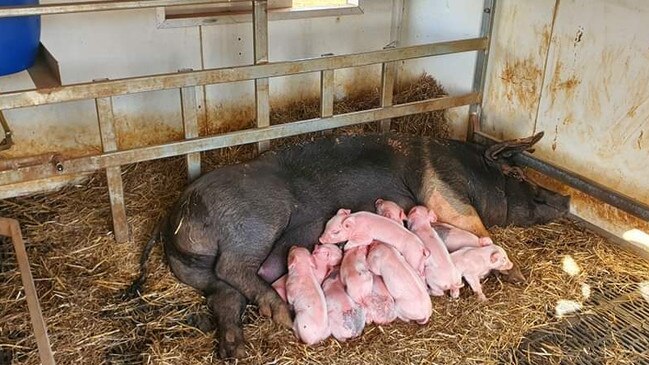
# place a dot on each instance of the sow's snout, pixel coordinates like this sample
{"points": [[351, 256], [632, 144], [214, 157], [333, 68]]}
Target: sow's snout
{"points": [[529, 204]]}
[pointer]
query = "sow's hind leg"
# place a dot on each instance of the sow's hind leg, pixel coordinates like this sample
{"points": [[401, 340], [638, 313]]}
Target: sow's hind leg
{"points": [[239, 269], [226, 303]]}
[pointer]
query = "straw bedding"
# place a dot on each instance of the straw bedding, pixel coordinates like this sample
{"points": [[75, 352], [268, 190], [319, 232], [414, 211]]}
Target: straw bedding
{"points": [[80, 271]]}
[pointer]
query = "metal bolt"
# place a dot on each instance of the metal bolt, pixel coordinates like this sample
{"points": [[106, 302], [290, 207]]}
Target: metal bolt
{"points": [[59, 166], [487, 10]]}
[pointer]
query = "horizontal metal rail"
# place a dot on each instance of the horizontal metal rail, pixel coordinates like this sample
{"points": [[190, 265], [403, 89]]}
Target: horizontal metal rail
{"points": [[93, 163], [81, 7], [576, 181], [24, 98]]}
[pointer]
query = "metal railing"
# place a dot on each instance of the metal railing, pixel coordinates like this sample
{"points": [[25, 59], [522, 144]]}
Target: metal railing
{"points": [[102, 92]]}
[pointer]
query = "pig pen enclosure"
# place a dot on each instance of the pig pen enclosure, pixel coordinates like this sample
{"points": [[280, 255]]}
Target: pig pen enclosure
{"points": [[586, 297]]}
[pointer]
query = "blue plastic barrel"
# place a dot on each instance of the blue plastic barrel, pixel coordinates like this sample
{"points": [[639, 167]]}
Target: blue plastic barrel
{"points": [[19, 39]]}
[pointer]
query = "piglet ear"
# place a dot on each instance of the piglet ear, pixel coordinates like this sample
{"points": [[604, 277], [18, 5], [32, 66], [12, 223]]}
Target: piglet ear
{"points": [[342, 211], [349, 223], [403, 216], [495, 256], [432, 217]]}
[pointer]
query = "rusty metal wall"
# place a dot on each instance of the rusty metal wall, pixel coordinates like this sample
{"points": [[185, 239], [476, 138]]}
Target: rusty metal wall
{"points": [[578, 70]]}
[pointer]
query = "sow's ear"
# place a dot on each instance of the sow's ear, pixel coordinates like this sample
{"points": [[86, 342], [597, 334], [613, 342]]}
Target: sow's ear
{"points": [[511, 147]]}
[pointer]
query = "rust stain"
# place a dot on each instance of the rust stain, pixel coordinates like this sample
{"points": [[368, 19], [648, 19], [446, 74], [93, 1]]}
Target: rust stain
{"points": [[593, 102], [24, 148], [521, 81], [632, 110], [133, 132], [556, 135], [546, 38], [72, 141], [564, 88], [569, 84], [223, 119], [609, 61]]}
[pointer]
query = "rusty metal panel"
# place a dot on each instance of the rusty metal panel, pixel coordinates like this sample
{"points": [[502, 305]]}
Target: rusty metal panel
{"points": [[595, 102], [521, 37]]}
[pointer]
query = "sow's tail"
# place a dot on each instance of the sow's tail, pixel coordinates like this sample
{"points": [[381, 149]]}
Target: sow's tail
{"points": [[136, 286]]}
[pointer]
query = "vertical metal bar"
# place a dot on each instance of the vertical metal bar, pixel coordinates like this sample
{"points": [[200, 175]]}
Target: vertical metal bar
{"points": [[260, 39], [388, 76], [11, 228], [389, 69], [327, 94], [190, 126], [486, 27], [113, 174]]}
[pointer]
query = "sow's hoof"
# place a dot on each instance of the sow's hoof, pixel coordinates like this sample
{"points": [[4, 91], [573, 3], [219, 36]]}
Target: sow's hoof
{"points": [[271, 305], [202, 321], [231, 344]]}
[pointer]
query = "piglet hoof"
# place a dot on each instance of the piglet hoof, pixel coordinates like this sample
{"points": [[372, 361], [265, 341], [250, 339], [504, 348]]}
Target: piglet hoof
{"points": [[485, 241], [231, 344], [482, 297]]}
